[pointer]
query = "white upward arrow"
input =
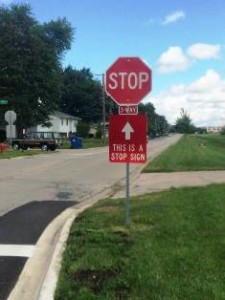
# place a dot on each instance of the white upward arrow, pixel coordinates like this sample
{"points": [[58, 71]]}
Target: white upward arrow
{"points": [[128, 130]]}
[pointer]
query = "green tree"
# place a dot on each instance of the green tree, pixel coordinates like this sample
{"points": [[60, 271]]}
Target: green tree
{"points": [[149, 110], [222, 130], [83, 129], [184, 123], [30, 63], [163, 125], [99, 132], [81, 95], [157, 125]]}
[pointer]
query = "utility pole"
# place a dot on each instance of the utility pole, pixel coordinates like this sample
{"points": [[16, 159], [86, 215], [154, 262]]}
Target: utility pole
{"points": [[103, 107]]}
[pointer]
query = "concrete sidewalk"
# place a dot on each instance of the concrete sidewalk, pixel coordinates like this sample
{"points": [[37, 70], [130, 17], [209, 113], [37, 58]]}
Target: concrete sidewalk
{"points": [[154, 182]]}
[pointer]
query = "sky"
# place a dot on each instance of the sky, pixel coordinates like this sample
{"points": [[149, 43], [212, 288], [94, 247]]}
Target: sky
{"points": [[183, 41]]}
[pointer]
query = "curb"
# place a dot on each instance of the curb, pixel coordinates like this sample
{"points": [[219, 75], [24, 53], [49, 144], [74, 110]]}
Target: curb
{"points": [[39, 277]]}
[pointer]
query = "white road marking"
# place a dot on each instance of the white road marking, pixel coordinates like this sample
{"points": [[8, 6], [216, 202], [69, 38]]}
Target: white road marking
{"points": [[17, 250]]}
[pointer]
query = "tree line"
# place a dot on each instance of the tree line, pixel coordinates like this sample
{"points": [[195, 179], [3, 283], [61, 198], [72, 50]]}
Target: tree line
{"points": [[36, 84]]}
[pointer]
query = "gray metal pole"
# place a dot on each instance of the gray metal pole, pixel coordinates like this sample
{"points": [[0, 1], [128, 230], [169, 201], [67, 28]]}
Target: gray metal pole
{"points": [[127, 205], [10, 133]]}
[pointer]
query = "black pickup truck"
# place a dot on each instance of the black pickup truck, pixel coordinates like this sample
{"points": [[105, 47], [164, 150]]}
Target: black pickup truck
{"points": [[43, 140]]}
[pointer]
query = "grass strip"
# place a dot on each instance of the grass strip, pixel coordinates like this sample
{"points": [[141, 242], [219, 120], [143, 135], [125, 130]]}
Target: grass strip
{"points": [[174, 249], [17, 153], [191, 153], [86, 143]]}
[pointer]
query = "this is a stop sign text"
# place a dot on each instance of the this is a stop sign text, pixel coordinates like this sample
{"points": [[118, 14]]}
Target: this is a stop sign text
{"points": [[128, 80]]}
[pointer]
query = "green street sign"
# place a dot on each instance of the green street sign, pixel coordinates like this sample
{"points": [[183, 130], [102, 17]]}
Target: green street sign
{"points": [[3, 101]]}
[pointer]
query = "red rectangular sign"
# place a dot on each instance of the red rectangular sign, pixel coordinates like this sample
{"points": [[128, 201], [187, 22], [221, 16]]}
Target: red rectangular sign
{"points": [[128, 139]]}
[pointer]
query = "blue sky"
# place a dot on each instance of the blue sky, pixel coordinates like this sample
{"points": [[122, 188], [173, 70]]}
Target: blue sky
{"points": [[182, 41]]}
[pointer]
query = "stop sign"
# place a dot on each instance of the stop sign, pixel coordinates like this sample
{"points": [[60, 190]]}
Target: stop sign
{"points": [[128, 80]]}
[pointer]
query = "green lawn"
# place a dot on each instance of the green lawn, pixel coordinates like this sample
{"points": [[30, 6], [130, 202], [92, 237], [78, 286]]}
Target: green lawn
{"points": [[87, 143], [191, 153], [16, 153], [175, 249]]}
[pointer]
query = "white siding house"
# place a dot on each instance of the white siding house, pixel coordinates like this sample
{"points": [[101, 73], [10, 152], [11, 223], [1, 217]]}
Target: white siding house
{"points": [[214, 129], [61, 123]]}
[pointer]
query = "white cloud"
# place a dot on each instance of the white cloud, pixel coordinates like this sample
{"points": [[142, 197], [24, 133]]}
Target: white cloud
{"points": [[173, 60], [210, 80], [204, 51], [174, 17], [203, 99]]}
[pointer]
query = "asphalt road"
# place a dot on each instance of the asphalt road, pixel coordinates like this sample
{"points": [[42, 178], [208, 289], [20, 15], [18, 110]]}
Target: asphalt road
{"points": [[20, 230], [34, 190], [64, 175]]}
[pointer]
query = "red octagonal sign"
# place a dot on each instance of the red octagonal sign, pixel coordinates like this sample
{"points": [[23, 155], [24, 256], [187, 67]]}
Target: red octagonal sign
{"points": [[128, 80]]}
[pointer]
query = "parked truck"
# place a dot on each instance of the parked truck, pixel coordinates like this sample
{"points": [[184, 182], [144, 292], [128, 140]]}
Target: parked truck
{"points": [[43, 140]]}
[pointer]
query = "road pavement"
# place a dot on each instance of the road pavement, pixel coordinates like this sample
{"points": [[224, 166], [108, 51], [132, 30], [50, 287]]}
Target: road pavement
{"points": [[20, 230]]}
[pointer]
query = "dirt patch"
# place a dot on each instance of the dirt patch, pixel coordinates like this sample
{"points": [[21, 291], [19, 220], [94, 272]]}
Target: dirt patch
{"points": [[95, 279]]}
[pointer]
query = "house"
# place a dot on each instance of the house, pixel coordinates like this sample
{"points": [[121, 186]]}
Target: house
{"points": [[214, 129], [62, 123]]}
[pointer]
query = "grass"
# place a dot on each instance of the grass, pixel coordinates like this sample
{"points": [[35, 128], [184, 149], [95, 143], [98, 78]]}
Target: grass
{"points": [[87, 143], [174, 249], [191, 153], [17, 153], [92, 143]]}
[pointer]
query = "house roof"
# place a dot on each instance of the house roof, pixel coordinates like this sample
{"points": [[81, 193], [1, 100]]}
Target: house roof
{"points": [[62, 115]]}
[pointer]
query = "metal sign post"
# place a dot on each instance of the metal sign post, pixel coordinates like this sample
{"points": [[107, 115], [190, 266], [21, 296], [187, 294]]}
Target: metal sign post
{"points": [[127, 81], [127, 204], [10, 117]]}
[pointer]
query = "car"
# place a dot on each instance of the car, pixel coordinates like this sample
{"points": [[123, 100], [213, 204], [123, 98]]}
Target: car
{"points": [[43, 140]]}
